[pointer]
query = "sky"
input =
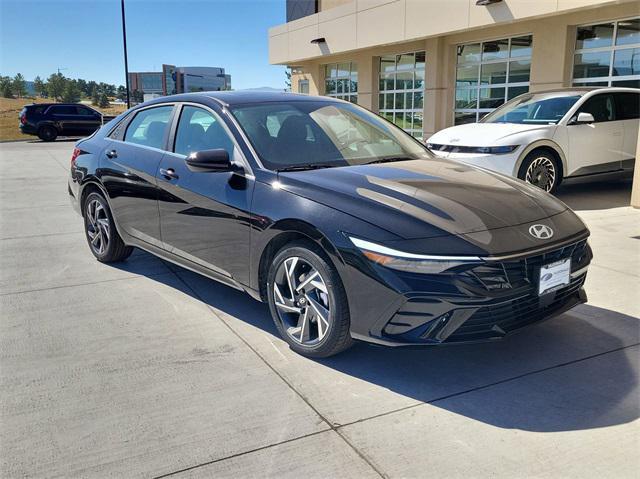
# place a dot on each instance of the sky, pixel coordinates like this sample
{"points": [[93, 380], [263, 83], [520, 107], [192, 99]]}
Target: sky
{"points": [[84, 38]]}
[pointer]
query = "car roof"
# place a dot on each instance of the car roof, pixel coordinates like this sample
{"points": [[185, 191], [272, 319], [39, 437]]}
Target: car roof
{"points": [[233, 98], [584, 90]]}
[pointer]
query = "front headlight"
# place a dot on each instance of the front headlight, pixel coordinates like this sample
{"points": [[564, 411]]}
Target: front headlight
{"points": [[484, 150], [414, 263]]}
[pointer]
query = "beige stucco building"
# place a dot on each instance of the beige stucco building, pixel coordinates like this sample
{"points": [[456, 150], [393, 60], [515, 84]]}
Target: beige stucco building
{"points": [[430, 64]]}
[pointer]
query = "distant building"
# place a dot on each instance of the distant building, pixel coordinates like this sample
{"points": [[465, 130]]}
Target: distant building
{"points": [[172, 80]]}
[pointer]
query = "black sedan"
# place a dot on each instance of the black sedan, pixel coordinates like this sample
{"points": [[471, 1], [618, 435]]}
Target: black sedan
{"points": [[348, 227]]}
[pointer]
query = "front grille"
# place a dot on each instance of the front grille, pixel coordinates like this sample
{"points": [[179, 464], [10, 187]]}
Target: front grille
{"points": [[498, 319], [520, 273]]}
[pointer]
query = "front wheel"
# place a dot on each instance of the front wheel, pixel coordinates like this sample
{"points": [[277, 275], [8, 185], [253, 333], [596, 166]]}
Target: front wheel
{"points": [[308, 302], [103, 238], [540, 168]]}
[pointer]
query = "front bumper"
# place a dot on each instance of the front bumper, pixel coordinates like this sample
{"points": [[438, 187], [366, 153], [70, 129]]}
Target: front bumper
{"points": [[505, 164], [483, 303]]}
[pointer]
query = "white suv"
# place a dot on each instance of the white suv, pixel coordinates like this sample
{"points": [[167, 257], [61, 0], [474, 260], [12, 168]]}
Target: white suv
{"points": [[547, 136]]}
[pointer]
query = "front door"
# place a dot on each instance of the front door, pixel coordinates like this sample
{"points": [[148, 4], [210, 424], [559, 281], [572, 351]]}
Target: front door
{"points": [[204, 216], [595, 147]]}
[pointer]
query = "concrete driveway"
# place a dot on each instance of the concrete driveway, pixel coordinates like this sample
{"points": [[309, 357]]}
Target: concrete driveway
{"points": [[147, 370]]}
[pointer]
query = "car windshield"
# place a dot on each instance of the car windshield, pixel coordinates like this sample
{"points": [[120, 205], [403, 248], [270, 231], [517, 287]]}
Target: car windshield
{"points": [[536, 108], [321, 134]]}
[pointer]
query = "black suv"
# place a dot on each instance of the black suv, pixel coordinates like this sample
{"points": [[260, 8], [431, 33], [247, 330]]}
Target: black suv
{"points": [[48, 120]]}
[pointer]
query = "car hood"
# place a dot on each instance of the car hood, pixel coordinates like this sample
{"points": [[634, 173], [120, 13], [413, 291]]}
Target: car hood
{"points": [[425, 198], [483, 134]]}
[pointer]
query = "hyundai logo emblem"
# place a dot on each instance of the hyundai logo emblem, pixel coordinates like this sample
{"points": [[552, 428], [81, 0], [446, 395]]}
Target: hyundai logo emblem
{"points": [[540, 231]]}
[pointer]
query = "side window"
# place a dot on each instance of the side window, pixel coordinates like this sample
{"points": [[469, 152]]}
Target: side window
{"points": [[601, 107], [627, 106], [84, 111], [63, 110], [199, 130], [148, 126]]}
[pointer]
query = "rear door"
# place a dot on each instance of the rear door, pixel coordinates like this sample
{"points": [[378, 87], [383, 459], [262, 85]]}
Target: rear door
{"points": [[628, 113], [66, 119], [204, 216], [595, 147], [128, 168], [89, 120]]}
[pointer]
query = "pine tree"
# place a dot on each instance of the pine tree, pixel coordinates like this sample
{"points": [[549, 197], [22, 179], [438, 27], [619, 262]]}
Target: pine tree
{"points": [[104, 101], [71, 93], [19, 85], [39, 86], [56, 84]]}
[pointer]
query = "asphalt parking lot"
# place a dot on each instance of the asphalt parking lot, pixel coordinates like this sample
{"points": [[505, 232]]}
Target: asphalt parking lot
{"points": [[145, 369]]}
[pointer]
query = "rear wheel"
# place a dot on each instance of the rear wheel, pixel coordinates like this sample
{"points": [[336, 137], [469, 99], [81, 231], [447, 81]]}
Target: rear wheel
{"points": [[104, 241], [47, 133], [542, 169], [308, 302]]}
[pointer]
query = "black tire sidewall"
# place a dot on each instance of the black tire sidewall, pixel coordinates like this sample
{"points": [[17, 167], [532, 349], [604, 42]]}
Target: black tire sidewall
{"points": [[338, 309], [522, 173], [44, 137], [107, 252]]}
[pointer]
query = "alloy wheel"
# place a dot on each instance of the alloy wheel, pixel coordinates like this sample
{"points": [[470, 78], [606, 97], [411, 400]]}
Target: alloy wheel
{"points": [[98, 226], [542, 173], [301, 299]]}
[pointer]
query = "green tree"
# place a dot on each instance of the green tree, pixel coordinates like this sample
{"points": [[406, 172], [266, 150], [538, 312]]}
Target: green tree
{"points": [[19, 85], [287, 82], [6, 87], [95, 97], [137, 96], [71, 92], [104, 101], [90, 88], [56, 84], [82, 86], [39, 86], [121, 94]]}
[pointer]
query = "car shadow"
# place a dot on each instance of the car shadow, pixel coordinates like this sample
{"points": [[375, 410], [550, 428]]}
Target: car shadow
{"points": [[588, 194], [591, 390]]}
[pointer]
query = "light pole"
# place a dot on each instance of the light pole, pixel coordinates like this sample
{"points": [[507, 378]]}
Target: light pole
{"points": [[126, 62]]}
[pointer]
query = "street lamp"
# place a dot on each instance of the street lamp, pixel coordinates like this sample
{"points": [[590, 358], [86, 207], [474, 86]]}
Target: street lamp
{"points": [[126, 62]]}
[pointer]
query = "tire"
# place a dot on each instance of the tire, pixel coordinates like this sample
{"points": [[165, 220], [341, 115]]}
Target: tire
{"points": [[104, 241], [47, 133], [298, 315], [541, 168]]}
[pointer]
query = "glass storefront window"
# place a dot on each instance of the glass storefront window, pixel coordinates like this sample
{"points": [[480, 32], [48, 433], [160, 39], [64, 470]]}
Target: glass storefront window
{"points": [[401, 98], [341, 81], [608, 54], [490, 73]]}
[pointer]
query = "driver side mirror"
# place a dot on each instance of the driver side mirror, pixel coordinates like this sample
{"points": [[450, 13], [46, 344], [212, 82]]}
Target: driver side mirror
{"points": [[583, 118], [210, 161]]}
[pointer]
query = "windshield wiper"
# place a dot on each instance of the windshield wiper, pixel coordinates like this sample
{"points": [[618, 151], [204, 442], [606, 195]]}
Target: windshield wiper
{"points": [[389, 159], [308, 166]]}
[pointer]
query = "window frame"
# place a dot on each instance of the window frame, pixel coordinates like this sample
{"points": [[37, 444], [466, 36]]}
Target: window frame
{"points": [[417, 133], [349, 96], [478, 87], [610, 78], [238, 151], [123, 134]]}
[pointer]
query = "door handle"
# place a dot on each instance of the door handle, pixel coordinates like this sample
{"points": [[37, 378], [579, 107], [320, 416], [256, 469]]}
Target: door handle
{"points": [[112, 154], [169, 174]]}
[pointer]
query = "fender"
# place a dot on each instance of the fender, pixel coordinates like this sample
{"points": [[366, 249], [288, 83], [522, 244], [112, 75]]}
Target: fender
{"points": [[541, 144]]}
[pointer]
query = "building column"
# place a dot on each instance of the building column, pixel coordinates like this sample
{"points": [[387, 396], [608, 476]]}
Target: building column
{"points": [[635, 188], [367, 81], [439, 86], [551, 61]]}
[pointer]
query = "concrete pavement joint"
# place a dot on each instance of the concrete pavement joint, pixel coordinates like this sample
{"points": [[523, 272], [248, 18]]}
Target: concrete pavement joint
{"points": [[41, 235], [134, 276], [298, 393], [487, 386], [239, 454]]}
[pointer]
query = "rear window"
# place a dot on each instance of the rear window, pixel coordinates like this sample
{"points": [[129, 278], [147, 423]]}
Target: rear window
{"points": [[37, 110], [627, 106]]}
